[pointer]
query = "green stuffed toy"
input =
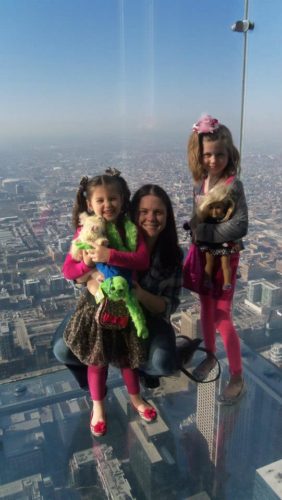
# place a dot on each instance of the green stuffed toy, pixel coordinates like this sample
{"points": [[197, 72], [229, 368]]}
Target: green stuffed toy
{"points": [[117, 280], [117, 288]]}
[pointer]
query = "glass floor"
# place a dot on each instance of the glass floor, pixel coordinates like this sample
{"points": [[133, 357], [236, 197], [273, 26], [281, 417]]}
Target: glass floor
{"points": [[197, 449]]}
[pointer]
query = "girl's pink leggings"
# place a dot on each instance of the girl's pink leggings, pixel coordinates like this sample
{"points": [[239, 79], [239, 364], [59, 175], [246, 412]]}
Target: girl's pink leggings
{"points": [[216, 315], [97, 377]]}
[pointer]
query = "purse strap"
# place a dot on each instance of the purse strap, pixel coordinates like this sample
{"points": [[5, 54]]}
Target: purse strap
{"points": [[211, 354]]}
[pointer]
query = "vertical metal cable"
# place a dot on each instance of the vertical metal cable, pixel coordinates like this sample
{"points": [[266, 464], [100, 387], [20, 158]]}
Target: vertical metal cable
{"points": [[246, 13]]}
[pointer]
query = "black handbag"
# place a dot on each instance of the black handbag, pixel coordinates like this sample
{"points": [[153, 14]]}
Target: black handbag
{"points": [[185, 349]]}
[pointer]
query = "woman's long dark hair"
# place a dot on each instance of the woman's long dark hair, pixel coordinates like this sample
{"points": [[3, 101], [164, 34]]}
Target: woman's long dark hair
{"points": [[167, 244]]}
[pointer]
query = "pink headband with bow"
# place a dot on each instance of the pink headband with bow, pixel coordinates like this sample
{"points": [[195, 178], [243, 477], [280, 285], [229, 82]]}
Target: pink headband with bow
{"points": [[206, 125]]}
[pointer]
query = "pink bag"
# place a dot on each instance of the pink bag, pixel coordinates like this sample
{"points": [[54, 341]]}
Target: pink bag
{"points": [[193, 274], [193, 269], [194, 266]]}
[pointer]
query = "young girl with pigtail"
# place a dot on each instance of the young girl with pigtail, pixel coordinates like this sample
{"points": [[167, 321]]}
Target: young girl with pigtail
{"points": [[213, 160], [97, 346]]}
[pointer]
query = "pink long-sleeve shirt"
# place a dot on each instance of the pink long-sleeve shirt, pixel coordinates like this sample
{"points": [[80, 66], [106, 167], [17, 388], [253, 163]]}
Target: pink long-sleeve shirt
{"points": [[135, 261]]}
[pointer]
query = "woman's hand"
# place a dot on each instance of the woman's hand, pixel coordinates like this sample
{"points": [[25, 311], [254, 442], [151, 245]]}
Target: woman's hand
{"points": [[99, 253], [137, 290], [153, 303]]}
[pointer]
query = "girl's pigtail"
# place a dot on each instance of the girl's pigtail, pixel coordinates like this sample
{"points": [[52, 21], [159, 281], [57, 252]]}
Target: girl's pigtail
{"points": [[80, 204], [124, 189]]}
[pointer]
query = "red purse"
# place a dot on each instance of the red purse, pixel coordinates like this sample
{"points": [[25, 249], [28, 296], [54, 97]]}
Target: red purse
{"points": [[112, 315]]}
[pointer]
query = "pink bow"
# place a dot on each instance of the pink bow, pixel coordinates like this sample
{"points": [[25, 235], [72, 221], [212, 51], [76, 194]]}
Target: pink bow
{"points": [[206, 125]]}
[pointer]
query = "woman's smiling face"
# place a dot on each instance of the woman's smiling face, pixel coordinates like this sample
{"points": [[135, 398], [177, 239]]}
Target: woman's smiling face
{"points": [[152, 216]]}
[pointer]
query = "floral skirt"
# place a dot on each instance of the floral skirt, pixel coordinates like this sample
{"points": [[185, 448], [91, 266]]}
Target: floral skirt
{"points": [[96, 345]]}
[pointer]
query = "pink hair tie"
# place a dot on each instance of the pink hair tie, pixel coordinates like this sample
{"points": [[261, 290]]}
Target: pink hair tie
{"points": [[206, 125]]}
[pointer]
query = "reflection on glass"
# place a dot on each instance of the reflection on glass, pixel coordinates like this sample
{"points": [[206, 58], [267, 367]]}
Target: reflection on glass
{"points": [[194, 446], [105, 90]]}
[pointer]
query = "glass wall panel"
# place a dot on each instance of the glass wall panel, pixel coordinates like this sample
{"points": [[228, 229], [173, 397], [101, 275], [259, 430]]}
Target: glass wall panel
{"points": [[263, 90], [262, 164], [96, 83], [87, 85]]}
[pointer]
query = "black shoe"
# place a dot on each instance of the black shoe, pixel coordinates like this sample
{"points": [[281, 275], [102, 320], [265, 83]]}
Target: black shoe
{"points": [[185, 348], [150, 381]]}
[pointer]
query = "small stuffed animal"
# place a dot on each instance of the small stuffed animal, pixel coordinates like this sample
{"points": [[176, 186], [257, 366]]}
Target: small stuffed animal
{"points": [[117, 288], [93, 231]]}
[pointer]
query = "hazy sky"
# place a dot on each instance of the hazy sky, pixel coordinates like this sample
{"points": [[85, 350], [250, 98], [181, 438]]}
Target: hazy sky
{"points": [[89, 67]]}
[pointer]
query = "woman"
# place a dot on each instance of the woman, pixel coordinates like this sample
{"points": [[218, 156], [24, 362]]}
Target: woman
{"points": [[157, 289]]}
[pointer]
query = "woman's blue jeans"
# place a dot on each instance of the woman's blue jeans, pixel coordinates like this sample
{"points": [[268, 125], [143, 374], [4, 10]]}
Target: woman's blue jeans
{"points": [[161, 350]]}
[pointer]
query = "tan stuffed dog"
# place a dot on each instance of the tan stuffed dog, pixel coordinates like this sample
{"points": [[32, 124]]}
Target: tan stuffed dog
{"points": [[93, 231]]}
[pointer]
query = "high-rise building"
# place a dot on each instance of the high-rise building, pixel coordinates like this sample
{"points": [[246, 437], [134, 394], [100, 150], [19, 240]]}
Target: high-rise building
{"points": [[268, 483], [276, 354], [23, 452], [10, 185], [82, 469], [57, 284], [4, 299], [270, 294], [263, 291], [64, 244], [31, 287], [153, 473], [32, 487], [254, 291], [6, 341], [190, 324], [205, 415]]}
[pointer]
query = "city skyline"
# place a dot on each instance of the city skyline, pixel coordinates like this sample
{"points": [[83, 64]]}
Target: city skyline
{"points": [[44, 417], [87, 84]]}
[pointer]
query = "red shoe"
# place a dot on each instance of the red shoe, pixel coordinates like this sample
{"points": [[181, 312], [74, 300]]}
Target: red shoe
{"points": [[149, 414], [99, 429]]}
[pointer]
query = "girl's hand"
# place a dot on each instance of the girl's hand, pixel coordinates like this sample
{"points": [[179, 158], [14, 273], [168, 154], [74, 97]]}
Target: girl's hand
{"points": [[99, 277], [87, 259], [100, 253]]}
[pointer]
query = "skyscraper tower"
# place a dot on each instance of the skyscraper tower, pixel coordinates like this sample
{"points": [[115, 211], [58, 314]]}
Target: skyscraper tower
{"points": [[190, 324]]}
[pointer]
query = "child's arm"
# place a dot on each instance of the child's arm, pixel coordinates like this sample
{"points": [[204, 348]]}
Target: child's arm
{"points": [[74, 269], [94, 274], [231, 230], [138, 260]]}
